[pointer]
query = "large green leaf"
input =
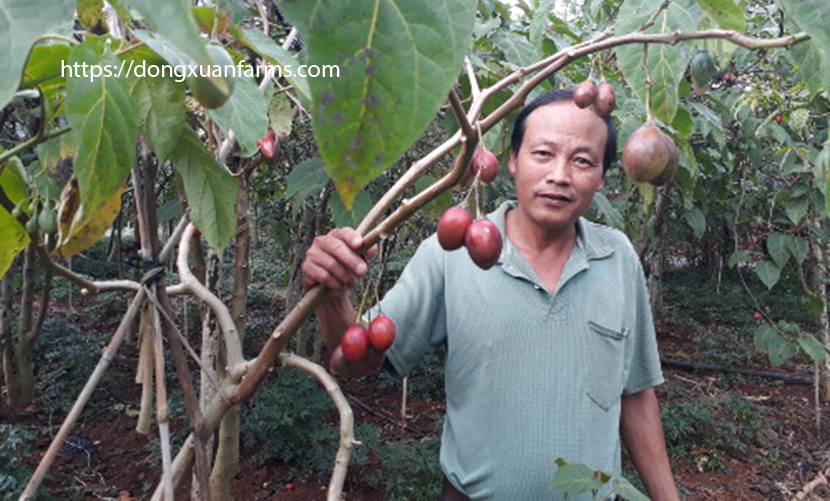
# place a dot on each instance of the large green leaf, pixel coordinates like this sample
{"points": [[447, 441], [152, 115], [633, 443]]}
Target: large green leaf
{"points": [[210, 189], [610, 214], [666, 63], [246, 112], [103, 119], [274, 54], [728, 15], [45, 65], [813, 16], [815, 71], [173, 20], [21, 23], [160, 103], [13, 237], [397, 59], [518, 52]]}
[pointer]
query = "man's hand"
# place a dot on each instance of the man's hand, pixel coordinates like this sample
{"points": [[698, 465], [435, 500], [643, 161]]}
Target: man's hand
{"points": [[333, 260]]}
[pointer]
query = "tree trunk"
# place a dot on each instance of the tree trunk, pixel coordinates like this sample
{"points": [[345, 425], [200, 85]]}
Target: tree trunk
{"points": [[817, 280], [227, 453], [6, 310], [305, 234]]}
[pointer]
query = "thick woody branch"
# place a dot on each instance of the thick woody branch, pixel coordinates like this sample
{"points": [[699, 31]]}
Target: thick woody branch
{"points": [[223, 316], [461, 115], [347, 439]]}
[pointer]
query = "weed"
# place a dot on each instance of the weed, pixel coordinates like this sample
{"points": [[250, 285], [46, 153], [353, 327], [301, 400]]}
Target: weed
{"points": [[14, 447], [411, 471]]}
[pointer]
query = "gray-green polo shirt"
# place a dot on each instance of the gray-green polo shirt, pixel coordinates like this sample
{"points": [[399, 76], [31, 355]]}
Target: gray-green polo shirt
{"points": [[530, 376]]}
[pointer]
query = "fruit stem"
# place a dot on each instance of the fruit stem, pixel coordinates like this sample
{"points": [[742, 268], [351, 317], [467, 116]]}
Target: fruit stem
{"points": [[359, 313]]}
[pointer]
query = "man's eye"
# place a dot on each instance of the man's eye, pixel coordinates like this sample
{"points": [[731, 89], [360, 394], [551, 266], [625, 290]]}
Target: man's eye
{"points": [[584, 162], [541, 153]]}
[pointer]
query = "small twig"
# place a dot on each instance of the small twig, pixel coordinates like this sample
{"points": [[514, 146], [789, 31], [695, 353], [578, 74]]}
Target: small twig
{"points": [[810, 486], [650, 21]]}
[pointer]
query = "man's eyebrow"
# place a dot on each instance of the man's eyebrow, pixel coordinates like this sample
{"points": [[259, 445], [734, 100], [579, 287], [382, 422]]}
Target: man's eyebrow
{"points": [[554, 145]]}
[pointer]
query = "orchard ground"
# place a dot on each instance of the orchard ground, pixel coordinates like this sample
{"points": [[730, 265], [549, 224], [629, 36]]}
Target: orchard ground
{"points": [[730, 436]]}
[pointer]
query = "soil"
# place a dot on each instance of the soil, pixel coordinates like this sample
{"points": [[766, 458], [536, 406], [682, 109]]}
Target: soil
{"points": [[110, 459]]}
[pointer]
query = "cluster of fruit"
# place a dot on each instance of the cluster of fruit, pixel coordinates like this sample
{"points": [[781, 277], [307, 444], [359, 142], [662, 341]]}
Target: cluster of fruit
{"points": [[457, 229], [602, 97], [358, 340], [46, 220]]}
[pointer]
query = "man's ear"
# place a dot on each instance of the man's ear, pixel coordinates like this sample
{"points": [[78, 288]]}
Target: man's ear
{"points": [[511, 162], [600, 183]]}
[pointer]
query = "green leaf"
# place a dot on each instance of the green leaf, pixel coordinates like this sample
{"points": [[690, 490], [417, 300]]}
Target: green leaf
{"points": [[246, 112], [728, 15], [397, 60], [813, 16], [279, 115], [625, 489], [815, 306], [742, 256], [697, 221], [811, 347], [517, 50], [13, 237], [666, 63], [777, 247], [44, 67], [781, 349], [575, 479], [103, 119], [274, 54], [343, 216], [815, 72], [160, 106], [21, 23], [610, 214], [683, 122], [768, 272], [539, 23], [797, 208], [173, 20], [763, 334], [210, 190], [306, 179], [797, 247]]}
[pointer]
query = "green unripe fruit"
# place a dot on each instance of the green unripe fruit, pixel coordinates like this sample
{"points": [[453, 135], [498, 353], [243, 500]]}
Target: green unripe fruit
{"points": [[18, 210], [214, 90], [31, 225], [702, 70], [47, 220]]}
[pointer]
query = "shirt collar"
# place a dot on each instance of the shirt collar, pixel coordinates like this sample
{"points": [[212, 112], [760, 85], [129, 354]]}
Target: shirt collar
{"points": [[588, 238]]}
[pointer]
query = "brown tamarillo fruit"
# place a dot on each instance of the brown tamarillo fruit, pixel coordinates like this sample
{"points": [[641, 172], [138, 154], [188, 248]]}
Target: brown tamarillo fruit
{"points": [[483, 242], [606, 99], [672, 165], [585, 94], [645, 154], [452, 227], [486, 162]]}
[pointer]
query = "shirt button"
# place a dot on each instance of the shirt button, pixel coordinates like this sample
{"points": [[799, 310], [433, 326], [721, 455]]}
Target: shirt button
{"points": [[536, 286]]}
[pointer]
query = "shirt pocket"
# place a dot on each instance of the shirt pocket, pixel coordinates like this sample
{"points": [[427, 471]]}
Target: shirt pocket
{"points": [[606, 364]]}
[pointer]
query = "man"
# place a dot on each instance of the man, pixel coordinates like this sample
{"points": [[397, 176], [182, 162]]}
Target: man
{"points": [[550, 353]]}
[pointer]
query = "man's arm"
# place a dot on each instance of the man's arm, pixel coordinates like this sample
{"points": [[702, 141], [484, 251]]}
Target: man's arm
{"points": [[642, 433]]}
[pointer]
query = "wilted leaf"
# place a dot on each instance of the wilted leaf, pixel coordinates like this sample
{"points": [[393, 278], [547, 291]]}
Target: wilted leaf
{"points": [[85, 227]]}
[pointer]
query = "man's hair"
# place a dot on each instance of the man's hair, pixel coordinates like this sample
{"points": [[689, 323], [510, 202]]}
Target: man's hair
{"points": [[610, 154]]}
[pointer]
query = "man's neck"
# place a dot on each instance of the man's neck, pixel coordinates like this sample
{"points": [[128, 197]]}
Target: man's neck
{"points": [[533, 240]]}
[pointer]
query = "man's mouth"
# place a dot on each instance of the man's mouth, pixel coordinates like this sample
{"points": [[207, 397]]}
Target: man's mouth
{"points": [[556, 197]]}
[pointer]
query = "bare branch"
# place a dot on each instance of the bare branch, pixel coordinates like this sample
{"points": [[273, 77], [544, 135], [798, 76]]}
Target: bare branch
{"points": [[347, 439]]}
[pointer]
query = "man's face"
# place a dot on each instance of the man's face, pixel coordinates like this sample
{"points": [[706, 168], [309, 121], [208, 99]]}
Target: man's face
{"points": [[559, 165]]}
